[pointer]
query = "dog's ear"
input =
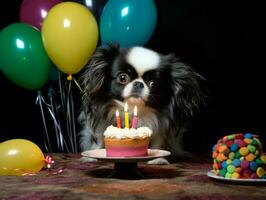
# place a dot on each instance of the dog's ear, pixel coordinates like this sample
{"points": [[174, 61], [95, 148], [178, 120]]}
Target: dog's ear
{"points": [[97, 72], [187, 92]]}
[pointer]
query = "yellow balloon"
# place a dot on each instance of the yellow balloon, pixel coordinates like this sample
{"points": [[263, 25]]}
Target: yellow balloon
{"points": [[70, 36], [20, 156]]}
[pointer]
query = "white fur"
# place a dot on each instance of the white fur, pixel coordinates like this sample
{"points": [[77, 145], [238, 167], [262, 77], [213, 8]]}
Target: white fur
{"points": [[129, 87], [167, 133], [143, 60]]}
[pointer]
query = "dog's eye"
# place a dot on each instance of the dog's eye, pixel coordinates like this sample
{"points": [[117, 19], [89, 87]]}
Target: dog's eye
{"points": [[151, 84], [123, 78]]}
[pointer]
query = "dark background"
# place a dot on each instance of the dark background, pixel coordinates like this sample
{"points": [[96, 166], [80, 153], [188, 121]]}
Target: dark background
{"points": [[224, 41]]}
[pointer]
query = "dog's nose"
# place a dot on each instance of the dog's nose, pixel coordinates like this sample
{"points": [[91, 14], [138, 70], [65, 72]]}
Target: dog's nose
{"points": [[138, 85]]}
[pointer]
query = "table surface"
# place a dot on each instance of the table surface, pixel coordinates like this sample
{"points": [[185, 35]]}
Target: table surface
{"points": [[184, 180]]}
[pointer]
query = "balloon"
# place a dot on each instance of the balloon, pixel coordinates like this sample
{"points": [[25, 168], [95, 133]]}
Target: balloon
{"points": [[95, 6], [19, 156], [33, 12], [54, 74], [128, 22], [22, 56], [70, 36]]}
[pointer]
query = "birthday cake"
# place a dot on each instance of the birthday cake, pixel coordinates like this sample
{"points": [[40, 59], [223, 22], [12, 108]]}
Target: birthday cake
{"points": [[127, 142], [239, 156]]}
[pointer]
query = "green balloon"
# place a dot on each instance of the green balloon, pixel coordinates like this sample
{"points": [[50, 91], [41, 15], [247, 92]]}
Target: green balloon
{"points": [[23, 58]]}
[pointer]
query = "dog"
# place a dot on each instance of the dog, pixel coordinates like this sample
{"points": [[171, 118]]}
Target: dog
{"points": [[166, 91]]}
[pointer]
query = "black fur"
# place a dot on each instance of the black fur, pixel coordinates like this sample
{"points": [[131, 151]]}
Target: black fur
{"points": [[172, 101]]}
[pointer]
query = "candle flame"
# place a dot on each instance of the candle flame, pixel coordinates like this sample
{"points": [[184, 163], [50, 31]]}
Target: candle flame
{"points": [[117, 113], [135, 110], [126, 107]]}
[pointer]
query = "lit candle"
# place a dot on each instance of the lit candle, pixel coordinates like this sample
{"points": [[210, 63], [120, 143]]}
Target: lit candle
{"points": [[126, 116], [135, 118], [118, 121]]}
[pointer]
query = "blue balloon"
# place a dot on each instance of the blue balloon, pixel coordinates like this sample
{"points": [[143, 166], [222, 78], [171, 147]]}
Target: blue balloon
{"points": [[128, 22], [54, 74]]}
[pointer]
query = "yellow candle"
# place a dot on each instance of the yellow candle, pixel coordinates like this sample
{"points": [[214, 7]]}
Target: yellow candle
{"points": [[126, 116]]}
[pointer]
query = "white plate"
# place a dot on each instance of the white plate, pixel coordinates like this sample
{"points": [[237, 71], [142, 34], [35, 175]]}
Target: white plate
{"points": [[100, 154], [212, 175]]}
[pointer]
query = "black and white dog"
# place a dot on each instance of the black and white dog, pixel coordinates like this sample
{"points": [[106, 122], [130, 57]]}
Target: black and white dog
{"points": [[166, 91]]}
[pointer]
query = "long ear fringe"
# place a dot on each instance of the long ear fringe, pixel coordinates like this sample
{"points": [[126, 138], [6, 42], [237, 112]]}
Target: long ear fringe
{"points": [[188, 94], [97, 72]]}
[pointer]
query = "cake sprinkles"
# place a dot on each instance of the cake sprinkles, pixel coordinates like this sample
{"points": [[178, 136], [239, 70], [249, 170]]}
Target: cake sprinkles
{"points": [[239, 156]]}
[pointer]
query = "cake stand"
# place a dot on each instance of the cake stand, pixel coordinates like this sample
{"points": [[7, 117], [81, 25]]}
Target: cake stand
{"points": [[125, 167]]}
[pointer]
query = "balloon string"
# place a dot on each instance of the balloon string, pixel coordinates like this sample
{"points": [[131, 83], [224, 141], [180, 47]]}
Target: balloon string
{"points": [[64, 102], [69, 124], [39, 101], [73, 122], [43, 101], [62, 93], [66, 110], [60, 130], [71, 117], [62, 140], [50, 94], [78, 85], [49, 161], [54, 112]]}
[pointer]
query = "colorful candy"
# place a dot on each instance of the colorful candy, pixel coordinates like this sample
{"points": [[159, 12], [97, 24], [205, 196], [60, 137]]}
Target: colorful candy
{"points": [[239, 156]]}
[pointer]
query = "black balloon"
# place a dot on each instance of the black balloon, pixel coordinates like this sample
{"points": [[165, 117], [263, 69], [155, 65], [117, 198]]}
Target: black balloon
{"points": [[95, 6]]}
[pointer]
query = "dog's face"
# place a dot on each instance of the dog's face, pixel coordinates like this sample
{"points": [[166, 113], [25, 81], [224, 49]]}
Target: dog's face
{"points": [[164, 88], [141, 76], [138, 77]]}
